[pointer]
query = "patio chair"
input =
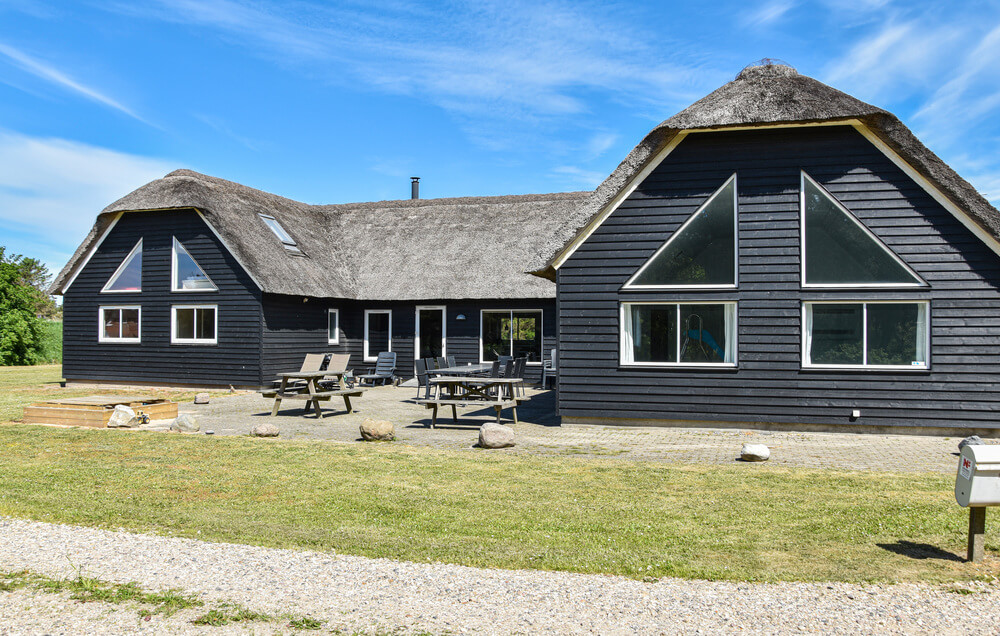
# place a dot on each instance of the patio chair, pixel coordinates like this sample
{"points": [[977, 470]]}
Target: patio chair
{"points": [[518, 372], [423, 380], [312, 362], [442, 362], [385, 369], [337, 364], [550, 368], [451, 361]]}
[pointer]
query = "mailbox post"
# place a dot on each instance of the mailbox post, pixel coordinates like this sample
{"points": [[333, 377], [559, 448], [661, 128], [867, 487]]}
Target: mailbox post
{"points": [[977, 485]]}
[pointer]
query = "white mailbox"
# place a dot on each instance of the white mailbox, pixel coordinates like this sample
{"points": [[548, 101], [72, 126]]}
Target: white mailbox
{"points": [[978, 481]]}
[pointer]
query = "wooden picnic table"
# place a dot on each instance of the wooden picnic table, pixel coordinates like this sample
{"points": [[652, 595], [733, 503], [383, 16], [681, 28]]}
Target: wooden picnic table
{"points": [[455, 391], [311, 392]]}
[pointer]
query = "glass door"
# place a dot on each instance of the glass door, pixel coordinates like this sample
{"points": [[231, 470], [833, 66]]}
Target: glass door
{"points": [[430, 338]]}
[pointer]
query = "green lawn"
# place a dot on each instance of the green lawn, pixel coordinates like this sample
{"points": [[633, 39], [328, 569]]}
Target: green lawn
{"points": [[488, 508]]}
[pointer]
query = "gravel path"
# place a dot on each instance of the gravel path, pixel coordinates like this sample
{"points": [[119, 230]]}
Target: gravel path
{"points": [[359, 594]]}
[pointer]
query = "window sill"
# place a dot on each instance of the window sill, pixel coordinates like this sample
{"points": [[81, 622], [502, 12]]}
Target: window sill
{"points": [[121, 341], [871, 368], [680, 366], [194, 342]]}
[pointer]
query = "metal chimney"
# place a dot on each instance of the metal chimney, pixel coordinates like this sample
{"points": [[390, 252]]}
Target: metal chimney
{"points": [[414, 187]]}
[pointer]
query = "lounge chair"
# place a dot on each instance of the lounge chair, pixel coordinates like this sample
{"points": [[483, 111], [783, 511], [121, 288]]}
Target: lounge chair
{"points": [[385, 369]]}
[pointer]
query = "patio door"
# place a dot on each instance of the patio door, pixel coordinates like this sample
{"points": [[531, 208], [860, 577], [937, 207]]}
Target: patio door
{"points": [[431, 332]]}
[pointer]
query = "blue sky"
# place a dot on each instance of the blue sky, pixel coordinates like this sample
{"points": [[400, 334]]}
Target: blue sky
{"points": [[331, 102]]}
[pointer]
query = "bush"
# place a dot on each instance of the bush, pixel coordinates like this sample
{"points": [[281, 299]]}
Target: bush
{"points": [[51, 344]]}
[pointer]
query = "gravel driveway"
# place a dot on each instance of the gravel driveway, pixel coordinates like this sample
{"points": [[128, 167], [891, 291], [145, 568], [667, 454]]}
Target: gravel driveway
{"points": [[357, 594]]}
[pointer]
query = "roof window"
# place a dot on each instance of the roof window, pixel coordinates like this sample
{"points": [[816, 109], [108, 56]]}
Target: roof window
{"points": [[280, 232]]}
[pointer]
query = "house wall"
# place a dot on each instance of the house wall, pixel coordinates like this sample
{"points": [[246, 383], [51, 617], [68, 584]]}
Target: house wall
{"points": [[293, 328], [770, 386], [234, 360]]}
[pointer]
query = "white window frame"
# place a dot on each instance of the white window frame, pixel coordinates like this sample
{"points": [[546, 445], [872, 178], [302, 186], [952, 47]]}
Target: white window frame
{"points": [[193, 341], [367, 356], [100, 325], [807, 363], [121, 268], [802, 244], [335, 315], [625, 346], [173, 271], [541, 327], [444, 327], [736, 246]]}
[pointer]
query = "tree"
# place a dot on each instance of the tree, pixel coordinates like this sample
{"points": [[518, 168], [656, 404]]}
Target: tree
{"points": [[20, 327], [33, 273]]}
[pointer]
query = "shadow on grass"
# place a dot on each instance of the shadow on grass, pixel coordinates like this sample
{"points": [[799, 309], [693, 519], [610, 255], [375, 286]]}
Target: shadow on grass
{"points": [[920, 551]]}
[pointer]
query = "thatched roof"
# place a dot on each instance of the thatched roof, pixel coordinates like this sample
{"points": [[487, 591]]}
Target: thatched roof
{"points": [[424, 249], [774, 95]]}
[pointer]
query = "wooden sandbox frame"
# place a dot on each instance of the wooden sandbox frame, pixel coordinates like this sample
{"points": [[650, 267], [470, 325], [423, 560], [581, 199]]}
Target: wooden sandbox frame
{"points": [[95, 410]]}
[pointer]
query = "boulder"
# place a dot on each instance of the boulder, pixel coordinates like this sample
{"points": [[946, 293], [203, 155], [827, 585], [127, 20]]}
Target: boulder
{"points": [[972, 440], [495, 436], [123, 417], [185, 423], [755, 453], [201, 398], [264, 430], [377, 431]]}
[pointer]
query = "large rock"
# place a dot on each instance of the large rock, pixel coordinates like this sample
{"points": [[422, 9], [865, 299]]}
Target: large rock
{"points": [[377, 431], [123, 417], [264, 430], [201, 398], [972, 440], [185, 423], [493, 435], [755, 453]]}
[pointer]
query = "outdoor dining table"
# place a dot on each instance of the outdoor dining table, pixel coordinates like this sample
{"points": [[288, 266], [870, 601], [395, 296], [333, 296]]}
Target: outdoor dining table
{"points": [[311, 392], [467, 369], [455, 391]]}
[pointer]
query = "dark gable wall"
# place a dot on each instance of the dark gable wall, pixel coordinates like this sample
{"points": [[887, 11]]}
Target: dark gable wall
{"points": [[236, 357], [769, 385], [293, 328]]}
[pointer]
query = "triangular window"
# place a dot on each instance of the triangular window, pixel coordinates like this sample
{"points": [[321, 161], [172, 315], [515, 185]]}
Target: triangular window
{"points": [[839, 250], [128, 276], [702, 252], [187, 275]]}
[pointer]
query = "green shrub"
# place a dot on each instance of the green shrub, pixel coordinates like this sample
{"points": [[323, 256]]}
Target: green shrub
{"points": [[51, 344]]}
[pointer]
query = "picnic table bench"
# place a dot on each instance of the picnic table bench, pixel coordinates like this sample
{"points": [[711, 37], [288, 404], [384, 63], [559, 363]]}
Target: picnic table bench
{"points": [[311, 393], [456, 391]]}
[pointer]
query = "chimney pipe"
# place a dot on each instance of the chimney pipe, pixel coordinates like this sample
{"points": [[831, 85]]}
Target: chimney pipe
{"points": [[414, 187]]}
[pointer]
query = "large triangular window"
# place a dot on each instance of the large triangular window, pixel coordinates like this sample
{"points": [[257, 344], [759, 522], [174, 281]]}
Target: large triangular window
{"points": [[838, 250], [701, 253], [187, 274], [128, 276]]}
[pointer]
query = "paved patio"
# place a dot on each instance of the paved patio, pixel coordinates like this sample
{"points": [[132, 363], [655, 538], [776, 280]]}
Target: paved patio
{"points": [[538, 433]]}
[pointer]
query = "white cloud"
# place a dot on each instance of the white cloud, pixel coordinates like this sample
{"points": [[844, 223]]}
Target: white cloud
{"points": [[576, 177], [52, 189], [768, 13], [55, 76]]}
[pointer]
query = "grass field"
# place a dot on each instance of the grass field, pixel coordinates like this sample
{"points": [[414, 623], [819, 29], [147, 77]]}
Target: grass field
{"points": [[581, 514]]}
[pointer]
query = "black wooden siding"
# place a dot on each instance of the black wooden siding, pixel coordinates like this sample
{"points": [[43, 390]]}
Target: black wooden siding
{"points": [[769, 385], [234, 360], [293, 328]]}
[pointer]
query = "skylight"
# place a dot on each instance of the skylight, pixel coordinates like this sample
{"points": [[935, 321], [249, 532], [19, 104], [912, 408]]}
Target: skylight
{"points": [[280, 232]]}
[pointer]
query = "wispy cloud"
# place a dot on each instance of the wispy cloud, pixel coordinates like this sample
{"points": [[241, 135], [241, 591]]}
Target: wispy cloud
{"points": [[53, 75], [518, 61], [576, 177], [220, 126], [52, 189], [768, 13]]}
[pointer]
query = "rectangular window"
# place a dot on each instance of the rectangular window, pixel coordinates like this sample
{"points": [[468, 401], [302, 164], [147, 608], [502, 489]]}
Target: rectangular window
{"points": [[193, 324], [687, 334], [859, 335], [378, 333], [118, 324], [516, 333], [333, 326]]}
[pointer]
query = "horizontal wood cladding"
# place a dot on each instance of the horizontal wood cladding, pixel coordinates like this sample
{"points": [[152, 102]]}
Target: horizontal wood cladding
{"points": [[293, 328], [769, 384], [235, 359]]}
